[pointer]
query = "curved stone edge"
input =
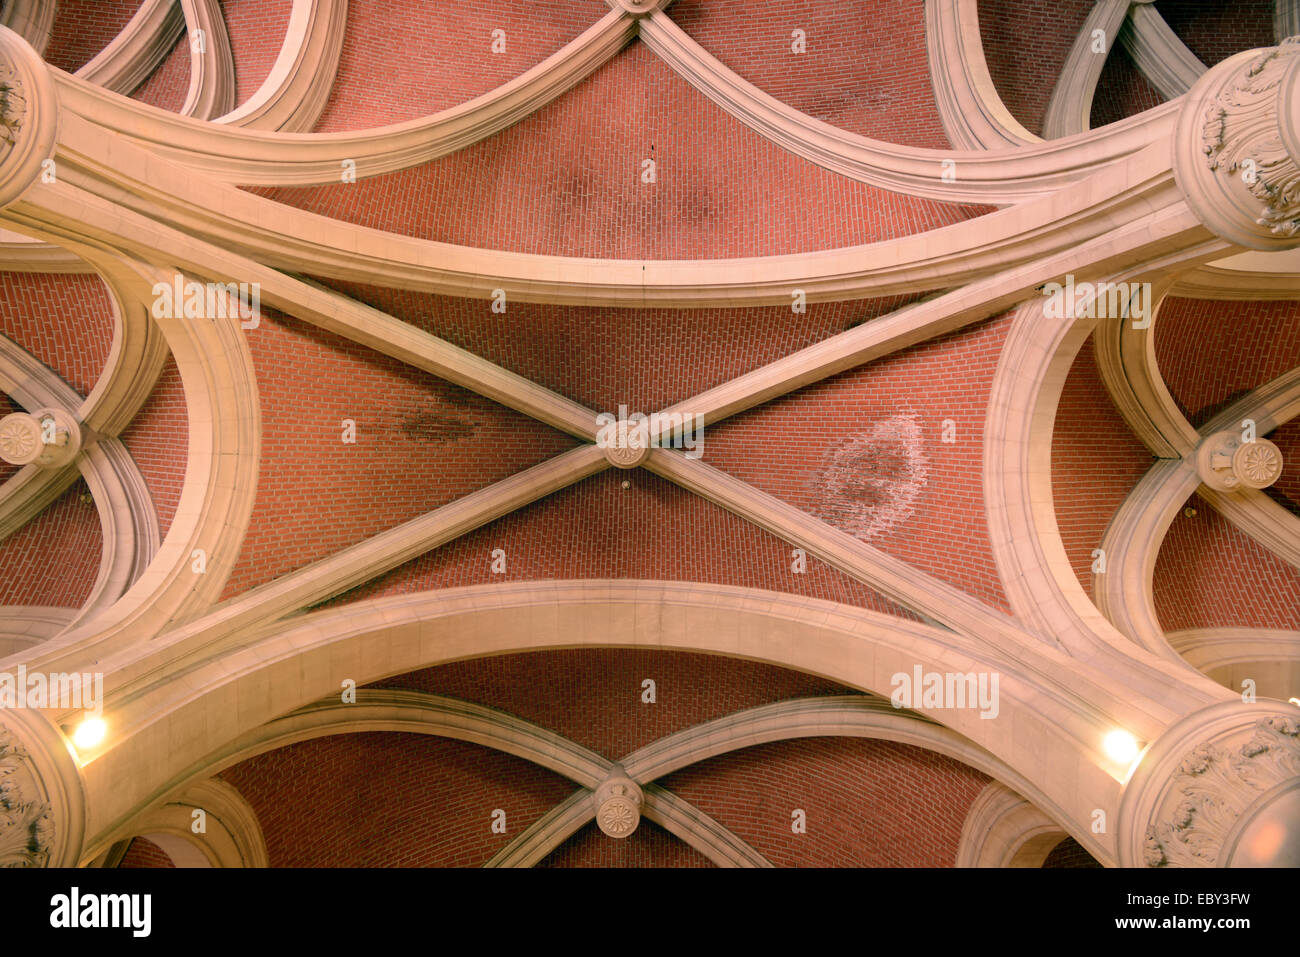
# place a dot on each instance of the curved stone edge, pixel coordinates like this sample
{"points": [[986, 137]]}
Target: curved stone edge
{"points": [[42, 795], [1069, 110], [140, 48], [298, 87], [1237, 147], [1198, 786], [1003, 829], [972, 113], [33, 20], [30, 113], [232, 836], [1158, 53]]}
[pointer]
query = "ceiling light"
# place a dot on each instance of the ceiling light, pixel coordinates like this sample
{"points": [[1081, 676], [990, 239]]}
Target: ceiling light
{"points": [[1121, 746], [89, 733]]}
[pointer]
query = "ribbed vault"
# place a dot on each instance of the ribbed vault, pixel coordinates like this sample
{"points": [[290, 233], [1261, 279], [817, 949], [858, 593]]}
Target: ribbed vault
{"points": [[833, 275]]}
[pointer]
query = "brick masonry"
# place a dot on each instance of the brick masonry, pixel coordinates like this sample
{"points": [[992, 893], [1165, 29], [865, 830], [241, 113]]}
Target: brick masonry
{"points": [[1212, 31], [1215, 31], [405, 59], [1007, 27], [420, 443], [65, 320], [53, 559], [406, 800], [866, 803], [1212, 353], [1069, 853], [144, 853], [865, 451], [1208, 574], [84, 27], [865, 74], [158, 440], [526, 190], [1096, 462], [652, 530]]}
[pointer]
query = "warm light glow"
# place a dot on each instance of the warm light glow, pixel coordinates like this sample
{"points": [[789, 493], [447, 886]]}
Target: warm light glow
{"points": [[89, 733], [1295, 701], [1121, 746]]}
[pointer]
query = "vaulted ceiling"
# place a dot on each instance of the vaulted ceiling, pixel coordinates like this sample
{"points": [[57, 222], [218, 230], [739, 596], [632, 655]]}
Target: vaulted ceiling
{"points": [[475, 226]]}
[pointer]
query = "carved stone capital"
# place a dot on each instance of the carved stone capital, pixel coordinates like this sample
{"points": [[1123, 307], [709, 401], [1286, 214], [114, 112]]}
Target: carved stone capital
{"points": [[42, 806], [28, 115], [1222, 789], [48, 438], [618, 801], [1237, 149], [1227, 463]]}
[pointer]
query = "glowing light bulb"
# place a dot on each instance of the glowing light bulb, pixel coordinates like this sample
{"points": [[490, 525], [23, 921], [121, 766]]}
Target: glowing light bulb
{"points": [[1120, 746], [89, 733]]}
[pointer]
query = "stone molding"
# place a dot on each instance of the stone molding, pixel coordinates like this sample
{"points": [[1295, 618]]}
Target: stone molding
{"points": [[970, 109], [617, 801], [297, 89], [1235, 152], [1203, 783], [28, 116], [42, 802], [233, 835], [238, 842], [33, 20], [1210, 648], [1226, 463], [140, 48], [1002, 176], [23, 438], [1060, 706], [168, 212], [1215, 788], [1002, 829], [1070, 108], [1158, 53], [232, 153]]}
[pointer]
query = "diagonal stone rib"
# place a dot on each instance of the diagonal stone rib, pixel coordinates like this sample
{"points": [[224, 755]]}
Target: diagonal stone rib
{"points": [[383, 552], [1271, 405], [702, 832], [910, 326], [337, 313], [546, 833], [311, 302], [415, 712], [915, 590]]}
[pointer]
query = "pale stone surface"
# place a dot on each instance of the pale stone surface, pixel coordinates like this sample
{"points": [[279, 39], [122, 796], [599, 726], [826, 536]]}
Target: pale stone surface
{"points": [[189, 677]]}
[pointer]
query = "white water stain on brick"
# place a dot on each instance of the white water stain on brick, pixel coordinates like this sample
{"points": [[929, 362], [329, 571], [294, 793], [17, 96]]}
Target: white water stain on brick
{"points": [[871, 481]]}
